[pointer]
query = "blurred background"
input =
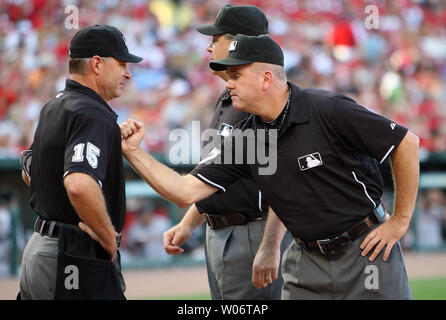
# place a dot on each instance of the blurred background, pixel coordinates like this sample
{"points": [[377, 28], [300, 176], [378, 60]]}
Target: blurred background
{"points": [[396, 68]]}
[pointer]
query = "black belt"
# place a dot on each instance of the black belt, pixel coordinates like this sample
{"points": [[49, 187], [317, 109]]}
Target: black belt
{"points": [[216, 221], [47, 228], [52, 228], [330, 246]]}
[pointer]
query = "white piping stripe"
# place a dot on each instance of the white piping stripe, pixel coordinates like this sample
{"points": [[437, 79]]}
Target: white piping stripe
{"points": [[388, 152], [65, 174], [365, 189], [260, 201], [213, 183]]}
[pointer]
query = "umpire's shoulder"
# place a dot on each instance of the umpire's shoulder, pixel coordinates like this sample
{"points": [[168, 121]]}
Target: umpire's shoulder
{"points": [[77, 103], [323, 100]]}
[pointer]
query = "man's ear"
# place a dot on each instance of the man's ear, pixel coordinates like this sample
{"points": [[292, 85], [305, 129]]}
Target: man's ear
{"points": [[267, 79], [95, 63]]}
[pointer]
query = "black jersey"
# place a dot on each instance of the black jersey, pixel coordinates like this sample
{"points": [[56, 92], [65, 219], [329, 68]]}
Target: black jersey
{"points": [[327, 176], [77, 132], [244, 196]]}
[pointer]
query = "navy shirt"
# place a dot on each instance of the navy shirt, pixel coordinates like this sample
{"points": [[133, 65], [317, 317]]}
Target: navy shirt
{"points": [[77, 132], [244, 196], [328, 152]]}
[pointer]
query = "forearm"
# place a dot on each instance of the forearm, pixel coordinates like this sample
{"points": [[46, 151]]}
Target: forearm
{"points": [[192, 219], [274, 231], [266, 262], [181, 190], [87, 199], [406, 171]]}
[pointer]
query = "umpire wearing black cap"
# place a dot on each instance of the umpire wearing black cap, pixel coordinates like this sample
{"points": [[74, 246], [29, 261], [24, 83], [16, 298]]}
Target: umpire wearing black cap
{"points": [[236, 219], [77, 175], [326, 188]]}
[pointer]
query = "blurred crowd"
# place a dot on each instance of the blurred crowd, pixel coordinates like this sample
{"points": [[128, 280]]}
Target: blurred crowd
{"points": [[396, 68], [430, 221]]}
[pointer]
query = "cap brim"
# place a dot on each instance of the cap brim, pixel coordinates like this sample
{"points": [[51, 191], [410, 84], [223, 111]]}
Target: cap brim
{"points": [[129, 58], [209, 30], [220, 65]]}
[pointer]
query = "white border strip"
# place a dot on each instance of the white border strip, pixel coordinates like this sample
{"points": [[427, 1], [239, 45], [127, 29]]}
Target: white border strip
{"points": [[260, 201], [365, 189], [388, 152], [213, 183]]}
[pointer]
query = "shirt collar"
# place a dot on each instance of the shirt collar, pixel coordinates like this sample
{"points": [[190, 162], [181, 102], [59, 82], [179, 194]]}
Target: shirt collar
{"points": [[298, 113], [76, 86], [298, 106], [226, 95]]}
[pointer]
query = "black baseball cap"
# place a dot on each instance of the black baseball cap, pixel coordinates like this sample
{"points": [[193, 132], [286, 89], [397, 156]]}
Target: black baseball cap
{"points": [[101, 40], [248, 20], [247, 49]]}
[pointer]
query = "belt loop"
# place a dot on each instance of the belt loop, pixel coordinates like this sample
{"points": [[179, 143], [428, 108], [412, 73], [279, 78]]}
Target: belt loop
{"points": [[35, 224], [209, 220], [118, 240], [51, 228], [41, 226]]}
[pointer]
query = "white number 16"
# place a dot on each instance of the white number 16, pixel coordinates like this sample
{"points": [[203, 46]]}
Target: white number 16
{"points": [[92, 155]]}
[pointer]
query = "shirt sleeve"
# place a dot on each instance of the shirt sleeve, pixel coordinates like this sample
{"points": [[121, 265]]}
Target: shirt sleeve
{"points": [[88, 139], [364, 130], [220, 168]]}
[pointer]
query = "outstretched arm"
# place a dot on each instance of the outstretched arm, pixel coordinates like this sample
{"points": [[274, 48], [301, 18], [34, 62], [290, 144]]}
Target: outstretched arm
{"points": [[181, 190]]}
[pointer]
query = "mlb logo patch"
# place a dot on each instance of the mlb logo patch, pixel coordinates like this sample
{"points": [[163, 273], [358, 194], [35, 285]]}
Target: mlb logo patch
{"points": [[310, 161], [232, 46], [225, 129]]}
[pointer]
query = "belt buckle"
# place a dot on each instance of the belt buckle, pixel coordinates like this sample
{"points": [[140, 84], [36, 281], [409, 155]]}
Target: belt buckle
{"points": [[322, 243]]}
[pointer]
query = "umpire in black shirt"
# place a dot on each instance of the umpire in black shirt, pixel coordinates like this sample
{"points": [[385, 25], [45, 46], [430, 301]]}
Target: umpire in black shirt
{"points": [[77, 175], [235, 219], [327, 188]]}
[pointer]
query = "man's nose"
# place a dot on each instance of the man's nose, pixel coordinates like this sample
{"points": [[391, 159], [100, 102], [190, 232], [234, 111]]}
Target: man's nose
{"points": [[209, 47], [229, 84], [127, 74]]}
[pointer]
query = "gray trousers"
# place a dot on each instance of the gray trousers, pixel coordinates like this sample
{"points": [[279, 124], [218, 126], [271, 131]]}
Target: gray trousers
{"points": [[39, 268], [230, 252], [347, 275]]}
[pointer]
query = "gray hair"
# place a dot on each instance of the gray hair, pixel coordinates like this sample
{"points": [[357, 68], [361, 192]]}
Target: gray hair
{"points": [[228, 36], [231, 36], [277, 70], [79, 65]]}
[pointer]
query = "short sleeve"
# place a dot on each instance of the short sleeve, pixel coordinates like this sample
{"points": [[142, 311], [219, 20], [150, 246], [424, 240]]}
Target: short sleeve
{"points": [[88, 139], [220, 168], [364, 130]]}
